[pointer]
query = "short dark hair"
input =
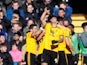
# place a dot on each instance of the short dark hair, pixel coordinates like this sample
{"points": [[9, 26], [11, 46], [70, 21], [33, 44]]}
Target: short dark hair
{"points": [[51, 16], [61, 9], [16, 12], [1, 34], [17, 33], [32, 25], [60, 18], [14, 44], [31, 19], [71, 25], [14, 1], [1, 11], [84, 24], [1, 45], [67, 20]]}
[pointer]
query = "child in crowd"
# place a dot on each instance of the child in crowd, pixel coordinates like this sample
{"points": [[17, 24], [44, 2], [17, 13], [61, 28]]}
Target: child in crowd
{"points": [[5, 57], [16, 54]]}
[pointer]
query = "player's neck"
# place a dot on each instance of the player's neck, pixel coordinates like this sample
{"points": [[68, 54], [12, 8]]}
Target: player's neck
{"points": [[54, 24]]}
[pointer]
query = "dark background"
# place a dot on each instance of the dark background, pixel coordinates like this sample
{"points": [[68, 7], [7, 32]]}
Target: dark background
{"points": [[79, 6]]}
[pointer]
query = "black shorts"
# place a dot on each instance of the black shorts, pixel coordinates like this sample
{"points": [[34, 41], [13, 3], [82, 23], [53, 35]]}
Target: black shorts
{"points": [[85, 60], [39, 59], [49, 57], [30, 59], [72, 59], [62, 58], [75, 59]]}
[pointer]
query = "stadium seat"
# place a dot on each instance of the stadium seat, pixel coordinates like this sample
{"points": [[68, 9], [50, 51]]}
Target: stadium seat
{"points": [[78, 30], [78, 17], [77, 20], [78, 23]]}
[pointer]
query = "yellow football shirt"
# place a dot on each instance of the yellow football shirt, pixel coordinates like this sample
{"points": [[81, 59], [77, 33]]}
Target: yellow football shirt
{"points": [[62, 46], [31, 43], [67, 33], [41, 47], [47, 42], [52, 33], [55, 35]]}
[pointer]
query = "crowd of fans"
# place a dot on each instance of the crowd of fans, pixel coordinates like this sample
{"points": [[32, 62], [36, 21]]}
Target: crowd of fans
{"points": [[39, 32]]}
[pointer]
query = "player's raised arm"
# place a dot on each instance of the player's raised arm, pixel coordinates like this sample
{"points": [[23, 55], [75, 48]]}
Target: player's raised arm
{"points": [[44, 16]]}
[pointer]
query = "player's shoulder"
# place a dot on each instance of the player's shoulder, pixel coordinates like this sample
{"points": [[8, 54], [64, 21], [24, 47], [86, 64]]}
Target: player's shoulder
{"points": [[29, 34]]}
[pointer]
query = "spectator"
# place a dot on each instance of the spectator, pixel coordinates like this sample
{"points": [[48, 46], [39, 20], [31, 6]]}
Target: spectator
{"points": [[2, 31], [16, 17], [4, 21], [3, 9], [61, 13], [28, 2], [2, 39], [20, 2], [31, 13], [16, 54], [7, 59], [57, 1], [6, 3], [26, 29], [15, 6], [45, 3], [67, 9], [17, 40], [16, 27]]}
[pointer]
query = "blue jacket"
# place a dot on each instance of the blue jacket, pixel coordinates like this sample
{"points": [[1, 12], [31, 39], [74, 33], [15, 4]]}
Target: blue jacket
{"points": [[10, 13], [4, 32], [68, 12]]}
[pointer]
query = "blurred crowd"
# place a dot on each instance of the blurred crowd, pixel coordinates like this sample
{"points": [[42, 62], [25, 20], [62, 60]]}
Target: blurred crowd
{"points": [[39, 32]]}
